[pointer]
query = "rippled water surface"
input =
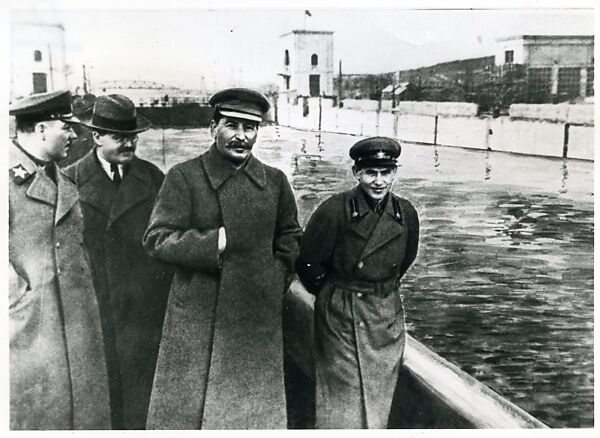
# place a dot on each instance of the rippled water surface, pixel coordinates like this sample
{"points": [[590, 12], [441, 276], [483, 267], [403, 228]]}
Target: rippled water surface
{"points": [[503, 283]]}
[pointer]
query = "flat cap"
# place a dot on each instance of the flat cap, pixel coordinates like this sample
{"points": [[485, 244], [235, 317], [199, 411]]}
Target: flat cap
{"points": [[55, 105], [375, 152], [242, 103]]}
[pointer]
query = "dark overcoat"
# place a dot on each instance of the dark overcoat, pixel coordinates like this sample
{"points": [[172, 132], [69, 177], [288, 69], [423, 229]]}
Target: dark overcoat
{"points": [[132, 288], [220, 364], [57, 365], [352, 259]]}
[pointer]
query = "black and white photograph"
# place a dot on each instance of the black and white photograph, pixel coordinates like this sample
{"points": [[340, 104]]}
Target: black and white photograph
{"points": [[327, 216]]}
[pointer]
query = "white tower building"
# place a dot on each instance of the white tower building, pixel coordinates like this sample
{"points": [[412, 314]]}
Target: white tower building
{"points": [[37, 58], [307, 63]]}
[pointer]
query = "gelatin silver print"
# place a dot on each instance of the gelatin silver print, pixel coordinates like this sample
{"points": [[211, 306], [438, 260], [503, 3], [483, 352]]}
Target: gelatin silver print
{"points": [[310, 217]]}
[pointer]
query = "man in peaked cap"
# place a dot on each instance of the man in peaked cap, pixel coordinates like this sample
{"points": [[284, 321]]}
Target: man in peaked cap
{"points": [[58, 374], [356, 247], [229, 224], [117, 191]]}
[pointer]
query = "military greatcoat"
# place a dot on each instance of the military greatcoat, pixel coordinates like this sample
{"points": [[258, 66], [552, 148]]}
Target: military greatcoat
{"points": [[220, 364], [352, 258], [57, 366], [132, 288]]}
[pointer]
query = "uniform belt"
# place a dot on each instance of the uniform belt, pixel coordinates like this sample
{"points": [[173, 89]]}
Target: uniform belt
{"points": [[379, 288]]}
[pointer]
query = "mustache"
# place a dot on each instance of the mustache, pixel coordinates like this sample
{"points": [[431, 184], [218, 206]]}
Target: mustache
{"points": [[235, 144], [126, 149]]}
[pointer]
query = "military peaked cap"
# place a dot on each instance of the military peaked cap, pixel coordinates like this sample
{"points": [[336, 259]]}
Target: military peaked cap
{"points": [[375, 152], [242, 103], [55, 105]]}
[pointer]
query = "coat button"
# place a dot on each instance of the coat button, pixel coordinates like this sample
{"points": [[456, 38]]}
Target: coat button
{"points": [[361, 324], [58, 271], [57, 245], [359, 294], [360, 265]]}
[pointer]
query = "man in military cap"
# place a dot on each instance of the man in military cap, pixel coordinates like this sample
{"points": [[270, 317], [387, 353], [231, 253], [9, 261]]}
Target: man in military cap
{"points": [[356, 247], [117, 191], [57, 365], [229, 224]]}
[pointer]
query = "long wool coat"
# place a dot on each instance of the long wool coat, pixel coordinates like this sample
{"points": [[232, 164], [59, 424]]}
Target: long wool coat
{"points": [[57, 366], [132, 288], [359, 331], [220, 364]]}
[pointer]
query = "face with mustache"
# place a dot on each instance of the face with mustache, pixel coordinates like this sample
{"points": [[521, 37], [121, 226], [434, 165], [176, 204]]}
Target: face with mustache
{"points": [[234, 138], [116, 148]]}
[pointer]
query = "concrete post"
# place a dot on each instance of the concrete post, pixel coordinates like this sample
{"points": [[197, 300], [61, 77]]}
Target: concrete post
{"points": [[583, 82], [554, 80], [566, 140]]}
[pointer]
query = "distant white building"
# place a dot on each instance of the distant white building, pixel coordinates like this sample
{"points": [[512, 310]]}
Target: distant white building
{"points": [[546, 50], [307, 63], [37, 58], [560, 66], [390, 91]]}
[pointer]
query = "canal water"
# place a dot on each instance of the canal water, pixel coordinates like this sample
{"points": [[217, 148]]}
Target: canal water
{"points": [[503, 282]]}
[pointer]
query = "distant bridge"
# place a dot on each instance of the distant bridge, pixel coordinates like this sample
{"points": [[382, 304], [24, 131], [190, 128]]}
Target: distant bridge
{"points": [[135, 84]]}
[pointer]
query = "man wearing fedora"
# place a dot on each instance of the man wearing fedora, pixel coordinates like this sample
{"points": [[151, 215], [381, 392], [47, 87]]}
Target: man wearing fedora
{"points": [[356, 247], [229, 223], [117, 191], [58, 377]]}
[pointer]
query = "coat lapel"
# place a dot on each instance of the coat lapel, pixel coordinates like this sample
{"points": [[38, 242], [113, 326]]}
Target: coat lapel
{"points": [[93, 183], [256, 172], [218, 169], [387, 228], [364, 224], [42, 188], [67, 196], [135, 188], [22, 169]]}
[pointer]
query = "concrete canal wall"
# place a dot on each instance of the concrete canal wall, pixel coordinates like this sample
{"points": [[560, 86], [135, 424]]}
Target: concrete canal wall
{"points": [[543, 130]]}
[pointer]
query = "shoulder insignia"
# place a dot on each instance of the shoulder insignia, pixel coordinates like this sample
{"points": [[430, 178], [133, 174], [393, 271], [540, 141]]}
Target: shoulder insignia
{"points": [[397, 210], [354, 213], [19, 174]]}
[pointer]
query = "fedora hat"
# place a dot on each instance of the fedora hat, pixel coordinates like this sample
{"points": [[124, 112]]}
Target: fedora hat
{"points": [[115, 113]]}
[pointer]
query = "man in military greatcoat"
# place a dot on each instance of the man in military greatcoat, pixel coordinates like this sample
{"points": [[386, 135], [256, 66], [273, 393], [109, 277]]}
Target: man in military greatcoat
{"points": [[356, 247], [58, 376], [117, 191], [229, 224]]}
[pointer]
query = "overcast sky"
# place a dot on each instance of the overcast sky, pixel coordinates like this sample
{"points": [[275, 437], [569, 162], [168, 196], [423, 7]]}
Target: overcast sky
{"points": [[179, 45]]}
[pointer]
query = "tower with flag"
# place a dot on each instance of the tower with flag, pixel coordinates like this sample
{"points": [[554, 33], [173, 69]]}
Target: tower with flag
{"points": [[306, 14], [307, 69]]}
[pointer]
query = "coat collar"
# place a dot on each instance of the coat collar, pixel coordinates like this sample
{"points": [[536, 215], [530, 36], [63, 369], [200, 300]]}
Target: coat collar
{"points": [[362, 224], [94, 185], [88, 168], [386, 226], [218, 169], [63, 194], [21, 166]]}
